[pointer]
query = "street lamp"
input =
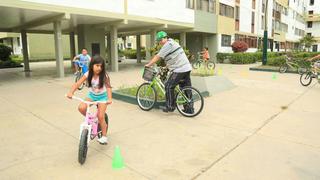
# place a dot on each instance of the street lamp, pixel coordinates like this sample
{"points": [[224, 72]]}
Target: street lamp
{"points": [[265, 35]]}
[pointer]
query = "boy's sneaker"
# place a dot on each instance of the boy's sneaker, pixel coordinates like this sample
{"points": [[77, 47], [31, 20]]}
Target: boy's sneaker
{"points": [[166, 109], [103, 140]]}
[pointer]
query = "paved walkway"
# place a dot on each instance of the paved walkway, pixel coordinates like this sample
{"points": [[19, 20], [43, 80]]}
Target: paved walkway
{"points": [[265, 128]]}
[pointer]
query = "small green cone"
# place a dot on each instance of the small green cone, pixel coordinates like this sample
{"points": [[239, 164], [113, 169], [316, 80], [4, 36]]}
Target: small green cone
{"points": [[274, 76], [117, 160]]}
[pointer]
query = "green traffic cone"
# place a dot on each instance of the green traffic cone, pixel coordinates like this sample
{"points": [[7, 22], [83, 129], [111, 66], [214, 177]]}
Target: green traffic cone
{"points": [[117, 160]]}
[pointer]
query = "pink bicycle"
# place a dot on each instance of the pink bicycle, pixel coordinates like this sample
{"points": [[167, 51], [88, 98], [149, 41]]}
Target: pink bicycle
{"points": [[89, 129]]}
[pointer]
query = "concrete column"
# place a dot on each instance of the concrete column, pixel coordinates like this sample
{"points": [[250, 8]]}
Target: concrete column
{"points": [[109, 49], [148, 46], [183, 41], [138, 39], [213, 43], [114, 49], [72, 47], [58, 48], [153, 34], [25, 51]]}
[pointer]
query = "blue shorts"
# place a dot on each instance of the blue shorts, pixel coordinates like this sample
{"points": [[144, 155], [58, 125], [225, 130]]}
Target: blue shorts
{"points": [[100, 97], [82, 65]]}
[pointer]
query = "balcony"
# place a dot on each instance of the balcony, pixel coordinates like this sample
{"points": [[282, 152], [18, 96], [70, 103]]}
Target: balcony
{"points": [[205, 21], [312, 17]]}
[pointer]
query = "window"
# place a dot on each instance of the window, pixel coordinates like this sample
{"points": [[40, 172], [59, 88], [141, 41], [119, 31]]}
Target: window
{"points": [[310, 12], [190, 4], [237, 13], [262, 22], [226, 10], [237, 17], [206, 5], [309, 34], [252, 22], [225, 40], [314, 48], [253, 4], [309, 24], [212, 6], [311, 2]]}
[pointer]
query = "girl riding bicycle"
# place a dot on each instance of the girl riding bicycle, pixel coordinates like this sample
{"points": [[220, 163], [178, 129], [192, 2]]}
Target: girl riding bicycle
{"points": [[100, 90]]}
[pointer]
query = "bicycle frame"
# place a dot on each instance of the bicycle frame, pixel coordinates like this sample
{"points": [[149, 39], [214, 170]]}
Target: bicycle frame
{"points": [[157, 82], [91, 120], [292, 64]]}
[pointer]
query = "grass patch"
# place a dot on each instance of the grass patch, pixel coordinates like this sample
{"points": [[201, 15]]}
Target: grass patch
{"points": [[202, 71], [132, 91]]}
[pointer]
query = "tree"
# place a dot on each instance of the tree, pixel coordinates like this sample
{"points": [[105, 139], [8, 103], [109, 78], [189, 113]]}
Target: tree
{"points": [[307, 41], [239, 46]]}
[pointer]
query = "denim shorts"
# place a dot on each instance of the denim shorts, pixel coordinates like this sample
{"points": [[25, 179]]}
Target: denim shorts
{"points": [[100, 97]]}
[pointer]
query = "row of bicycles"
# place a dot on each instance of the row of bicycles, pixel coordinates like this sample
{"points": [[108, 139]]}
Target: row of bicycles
{"points": [[307, 71]]}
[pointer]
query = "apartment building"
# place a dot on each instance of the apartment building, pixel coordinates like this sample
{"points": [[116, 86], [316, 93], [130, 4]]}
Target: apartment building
{"points": [[312, 18], [98, 25]]}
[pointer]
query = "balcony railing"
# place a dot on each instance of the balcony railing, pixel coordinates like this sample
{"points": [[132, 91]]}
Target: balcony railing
{"points": [[312, 17]]}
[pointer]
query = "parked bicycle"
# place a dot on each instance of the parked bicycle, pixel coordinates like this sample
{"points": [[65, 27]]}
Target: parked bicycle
{"points": [[313, 72], [186, 98], [89, 129], [301, 68], [198, 62]]}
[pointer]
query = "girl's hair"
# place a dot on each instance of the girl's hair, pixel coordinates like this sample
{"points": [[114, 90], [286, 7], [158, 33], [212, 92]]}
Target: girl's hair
{"points": [[102, 76]]}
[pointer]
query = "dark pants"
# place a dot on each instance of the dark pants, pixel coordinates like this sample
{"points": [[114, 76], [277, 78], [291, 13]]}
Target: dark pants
{"points": [[183, 79]]}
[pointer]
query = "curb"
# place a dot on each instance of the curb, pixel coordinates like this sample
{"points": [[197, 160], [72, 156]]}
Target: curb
{"points": [[271, 70]]}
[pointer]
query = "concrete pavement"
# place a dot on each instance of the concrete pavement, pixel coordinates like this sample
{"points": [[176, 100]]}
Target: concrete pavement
{"points": [[265, 128]]}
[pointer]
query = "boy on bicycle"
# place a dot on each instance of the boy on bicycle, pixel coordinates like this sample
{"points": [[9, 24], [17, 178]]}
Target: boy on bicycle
{"points": [[83, 62], [177, 62]]}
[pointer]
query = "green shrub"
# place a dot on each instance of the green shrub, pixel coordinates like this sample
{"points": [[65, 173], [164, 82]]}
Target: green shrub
{"points": [[130, 53], [276, 61], [274, 57], [5, 52]]}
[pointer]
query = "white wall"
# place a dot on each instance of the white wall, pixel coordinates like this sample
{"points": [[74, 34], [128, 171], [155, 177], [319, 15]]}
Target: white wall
{"points": [[245, 16], [162, 9], [228, 2], [16, 48], [116, 6], [258, 17]]}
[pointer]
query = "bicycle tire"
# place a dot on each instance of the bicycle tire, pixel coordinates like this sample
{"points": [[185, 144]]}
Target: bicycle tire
{"points": [[283, 68], [306, 76], [83, 146], [196, 64], [183, 111], [77, 78], [211, 65], [153, 95]]}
